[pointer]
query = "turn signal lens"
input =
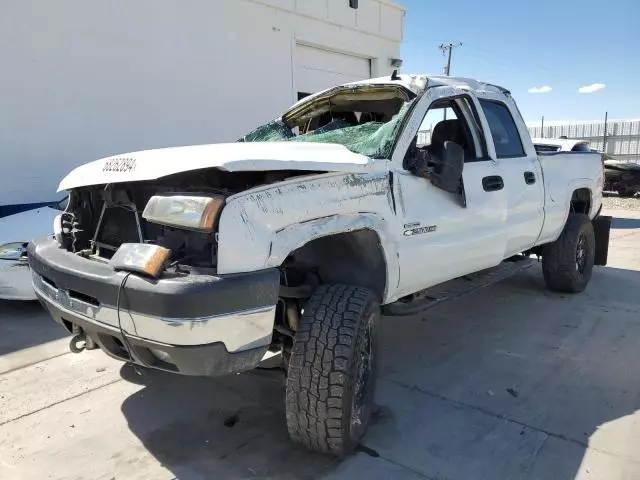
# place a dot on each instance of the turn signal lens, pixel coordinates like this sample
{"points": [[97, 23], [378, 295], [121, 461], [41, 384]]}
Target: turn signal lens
{"points": [[186, 212]]}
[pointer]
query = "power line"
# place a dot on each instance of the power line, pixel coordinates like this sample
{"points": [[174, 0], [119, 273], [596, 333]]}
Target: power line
{"points": [[447, 49]]}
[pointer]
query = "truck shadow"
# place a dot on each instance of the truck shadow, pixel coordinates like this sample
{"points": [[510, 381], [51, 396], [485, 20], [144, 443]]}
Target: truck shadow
{"points": [[24, 325], [517, 382], [227, 427], [512, 381]]}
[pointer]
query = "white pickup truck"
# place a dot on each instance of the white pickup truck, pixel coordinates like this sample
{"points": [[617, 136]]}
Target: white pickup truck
{"points": [[202, 260]]}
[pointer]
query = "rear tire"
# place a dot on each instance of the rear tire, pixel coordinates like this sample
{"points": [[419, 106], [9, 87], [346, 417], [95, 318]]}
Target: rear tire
{"points": [[332, 371], [626, 193], [567, 263]]}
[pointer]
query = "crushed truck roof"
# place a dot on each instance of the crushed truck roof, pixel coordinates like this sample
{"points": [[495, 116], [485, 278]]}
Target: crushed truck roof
{"points": [[417, 83]]}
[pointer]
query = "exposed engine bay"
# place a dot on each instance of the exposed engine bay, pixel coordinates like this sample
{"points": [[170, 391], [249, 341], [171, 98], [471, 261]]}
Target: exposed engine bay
{"points": [[100, 218]]}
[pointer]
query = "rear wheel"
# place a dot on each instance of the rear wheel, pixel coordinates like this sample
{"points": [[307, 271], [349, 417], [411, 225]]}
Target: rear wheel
{"points": [[567, 263], [332, 370]]}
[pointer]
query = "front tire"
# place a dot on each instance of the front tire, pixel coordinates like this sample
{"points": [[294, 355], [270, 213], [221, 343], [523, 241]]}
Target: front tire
{"points": [[332, 371], [567, 263]]}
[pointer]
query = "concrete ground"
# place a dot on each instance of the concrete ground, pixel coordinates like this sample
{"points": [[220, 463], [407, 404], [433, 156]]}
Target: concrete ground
{"points": [[511, 381]]}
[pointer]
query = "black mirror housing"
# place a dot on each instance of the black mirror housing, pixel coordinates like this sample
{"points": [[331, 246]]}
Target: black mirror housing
{"points": [[446, 173]]}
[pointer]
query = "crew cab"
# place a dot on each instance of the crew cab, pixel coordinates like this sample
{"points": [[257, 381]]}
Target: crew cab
{"points": [[202, 260]]}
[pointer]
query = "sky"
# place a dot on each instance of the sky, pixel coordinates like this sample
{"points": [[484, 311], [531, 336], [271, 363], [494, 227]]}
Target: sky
{"points": [[552, 47]]}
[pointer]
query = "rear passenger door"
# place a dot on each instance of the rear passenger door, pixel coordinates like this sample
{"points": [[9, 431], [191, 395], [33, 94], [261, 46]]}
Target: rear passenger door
{"points": [[520, 169]]}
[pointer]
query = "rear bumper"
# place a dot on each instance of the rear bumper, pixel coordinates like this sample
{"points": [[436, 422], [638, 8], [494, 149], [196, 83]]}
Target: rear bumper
{"points": [[190, 324]]}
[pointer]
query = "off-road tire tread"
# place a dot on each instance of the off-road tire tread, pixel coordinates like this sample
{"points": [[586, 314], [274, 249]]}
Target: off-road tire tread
{"points": [[320, 367], [558, 258]]}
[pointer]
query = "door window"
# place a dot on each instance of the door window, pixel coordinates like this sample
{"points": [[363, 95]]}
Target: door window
{"points": [[433, 116], [445, 121], [506, 138]]}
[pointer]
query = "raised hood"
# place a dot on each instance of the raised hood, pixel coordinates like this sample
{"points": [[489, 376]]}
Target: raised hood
{"points": [[232, 157]]}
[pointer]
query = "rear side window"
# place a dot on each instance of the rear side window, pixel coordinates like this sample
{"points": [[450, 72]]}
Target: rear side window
{"points": [[506, 138]]}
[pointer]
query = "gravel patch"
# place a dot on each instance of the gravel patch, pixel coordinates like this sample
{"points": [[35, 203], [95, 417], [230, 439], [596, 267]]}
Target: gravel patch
{"points": [[614, 202]]}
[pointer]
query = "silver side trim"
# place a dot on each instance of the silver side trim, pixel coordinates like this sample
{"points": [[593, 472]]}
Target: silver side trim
{"points": [[239, 331]]}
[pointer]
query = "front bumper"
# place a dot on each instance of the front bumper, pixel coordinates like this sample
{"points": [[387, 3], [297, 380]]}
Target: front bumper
{"points": [[190, 324]]}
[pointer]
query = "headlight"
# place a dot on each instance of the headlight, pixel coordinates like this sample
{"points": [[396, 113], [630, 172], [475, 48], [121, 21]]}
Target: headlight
{"points": [[13, 251], [187, 212]]}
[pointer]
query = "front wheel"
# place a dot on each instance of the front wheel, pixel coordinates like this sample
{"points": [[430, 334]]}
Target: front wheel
{"points": [[567, 263], [332, 370]]}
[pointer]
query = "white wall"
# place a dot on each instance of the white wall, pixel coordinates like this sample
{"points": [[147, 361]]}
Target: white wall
{"points": [[83, 79]]}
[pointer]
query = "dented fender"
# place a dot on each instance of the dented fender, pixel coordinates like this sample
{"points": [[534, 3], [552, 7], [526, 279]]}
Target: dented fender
{"points": [[293, 237], [259, 227]]}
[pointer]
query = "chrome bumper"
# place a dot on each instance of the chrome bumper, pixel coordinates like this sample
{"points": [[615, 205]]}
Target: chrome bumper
{"points": [[238, 331]]}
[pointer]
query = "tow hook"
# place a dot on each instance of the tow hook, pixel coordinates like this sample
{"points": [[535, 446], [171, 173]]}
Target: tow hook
{"points": [[78, 343]]}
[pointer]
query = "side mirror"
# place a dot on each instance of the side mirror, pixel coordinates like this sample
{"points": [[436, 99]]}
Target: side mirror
{"points": [[446, 173]]}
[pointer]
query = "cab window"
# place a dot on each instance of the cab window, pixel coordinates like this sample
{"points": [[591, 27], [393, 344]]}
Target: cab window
{"points": [[445, 121], [504, 131]]}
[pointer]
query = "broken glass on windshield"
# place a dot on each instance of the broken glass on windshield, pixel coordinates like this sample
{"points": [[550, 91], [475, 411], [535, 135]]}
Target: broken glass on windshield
{"points": [[366, 121]]}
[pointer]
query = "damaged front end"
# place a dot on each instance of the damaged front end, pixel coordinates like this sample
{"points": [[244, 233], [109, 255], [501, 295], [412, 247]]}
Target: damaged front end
{"points": [[135, 264], [182, 317], [99, 219]]}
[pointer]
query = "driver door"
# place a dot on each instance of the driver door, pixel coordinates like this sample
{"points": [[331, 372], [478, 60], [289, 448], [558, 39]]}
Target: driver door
{"points": [[445, 235]]}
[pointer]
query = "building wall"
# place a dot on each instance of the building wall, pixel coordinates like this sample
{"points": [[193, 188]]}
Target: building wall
{"points": [[84, 79]]}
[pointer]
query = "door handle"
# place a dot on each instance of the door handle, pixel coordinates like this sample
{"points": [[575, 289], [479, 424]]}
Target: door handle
{"points": [[529, 178], [492, 183]]}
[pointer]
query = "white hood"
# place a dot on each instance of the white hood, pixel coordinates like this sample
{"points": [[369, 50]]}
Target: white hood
{"points": [[232, 157]]}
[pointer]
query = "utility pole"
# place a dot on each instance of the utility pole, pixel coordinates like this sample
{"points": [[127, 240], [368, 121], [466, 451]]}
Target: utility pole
{"points": [[542, 128], [447, 49]]}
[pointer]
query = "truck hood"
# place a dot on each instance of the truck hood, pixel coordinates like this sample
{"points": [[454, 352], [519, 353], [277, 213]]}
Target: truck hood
{"points": [[232, 157]]}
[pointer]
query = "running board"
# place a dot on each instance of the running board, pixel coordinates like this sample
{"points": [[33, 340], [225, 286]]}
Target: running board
{"points": [[418, 302]]}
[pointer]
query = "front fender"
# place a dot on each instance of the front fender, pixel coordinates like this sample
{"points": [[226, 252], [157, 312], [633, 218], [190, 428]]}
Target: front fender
{"points": [[258, 228], [293, 237]]}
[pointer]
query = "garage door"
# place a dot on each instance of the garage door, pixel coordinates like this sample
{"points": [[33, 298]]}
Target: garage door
{"points": [[317, 69]]}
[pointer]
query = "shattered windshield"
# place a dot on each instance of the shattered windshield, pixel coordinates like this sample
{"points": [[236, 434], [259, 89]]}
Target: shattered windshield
{"points": [[366, 122]]}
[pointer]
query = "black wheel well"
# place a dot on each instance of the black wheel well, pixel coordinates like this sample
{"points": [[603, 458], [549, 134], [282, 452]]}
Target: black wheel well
{"points": [[351, 258], [581, 201]]}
